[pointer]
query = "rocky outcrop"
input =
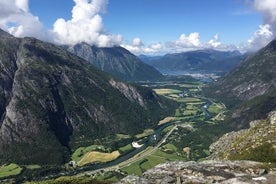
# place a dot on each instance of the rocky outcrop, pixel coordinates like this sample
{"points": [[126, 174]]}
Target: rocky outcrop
{"points": [[256, 143], [208, 171]]}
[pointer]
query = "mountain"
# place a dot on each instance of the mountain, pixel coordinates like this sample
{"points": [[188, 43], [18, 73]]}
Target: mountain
{"points": [[148, 59], [256, 143], [52, 102], [117, 61], [250, 89], [201, 60]]}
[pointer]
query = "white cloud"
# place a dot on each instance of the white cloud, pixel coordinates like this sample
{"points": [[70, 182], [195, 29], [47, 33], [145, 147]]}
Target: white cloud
{"points": [[215, 42], [192, 42], [17, 20], [86, 25], [267, 31], [138, 47], [261, 37], [268, 10]]}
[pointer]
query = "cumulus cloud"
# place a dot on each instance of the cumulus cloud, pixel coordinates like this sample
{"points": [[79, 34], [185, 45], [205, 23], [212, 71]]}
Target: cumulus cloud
{"points": [[86, 25], [261, 37], [268, 10], [192, 42], [138, 47], [215, 42], [17, 20], [267, 31]]}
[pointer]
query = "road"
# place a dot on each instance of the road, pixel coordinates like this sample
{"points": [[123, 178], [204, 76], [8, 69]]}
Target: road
{"points": [[134, 159]]}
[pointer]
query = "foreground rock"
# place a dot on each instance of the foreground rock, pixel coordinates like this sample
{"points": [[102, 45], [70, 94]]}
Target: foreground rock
{"points": [[206, 172]]}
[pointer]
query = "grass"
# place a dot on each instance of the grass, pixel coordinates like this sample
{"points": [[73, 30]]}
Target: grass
{"points": [[122, 136], [10, 170], [95, 156], [71, 180], [80, 152], [125, 148], [188, 100], [166, 120], [146, 133], [166, 91], [31, 167], [214, 108], [171, 147], [158, 157]]}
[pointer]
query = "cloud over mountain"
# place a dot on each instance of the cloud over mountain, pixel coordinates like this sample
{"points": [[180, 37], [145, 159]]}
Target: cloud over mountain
{"points": [[17, 20], [86, 25], [266, 31]]}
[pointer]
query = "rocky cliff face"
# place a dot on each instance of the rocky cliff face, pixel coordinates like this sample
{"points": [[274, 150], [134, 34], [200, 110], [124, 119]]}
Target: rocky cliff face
{"points": [[253, 77], [256, 143], [249, 91], [208, 171], [52, 101], [117, 61]]}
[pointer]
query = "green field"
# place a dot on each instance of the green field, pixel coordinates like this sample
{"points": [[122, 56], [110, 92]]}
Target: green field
{"points": [[95, 156], [165, 91], [146, 133], [80, 152], [10, 170], [125, 148], [158, 157]]}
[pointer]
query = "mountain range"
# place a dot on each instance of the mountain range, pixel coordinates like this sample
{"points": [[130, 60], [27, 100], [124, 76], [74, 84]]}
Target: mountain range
{"points": [[52, 102], [250, 89], [200, 60], [116, 61]]}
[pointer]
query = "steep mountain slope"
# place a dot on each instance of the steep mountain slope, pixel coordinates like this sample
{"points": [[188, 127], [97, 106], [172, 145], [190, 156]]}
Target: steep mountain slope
{"points": [[254, 77], [250, 89], [52, 101], [257, 143], [117, 61], [201, 60]]}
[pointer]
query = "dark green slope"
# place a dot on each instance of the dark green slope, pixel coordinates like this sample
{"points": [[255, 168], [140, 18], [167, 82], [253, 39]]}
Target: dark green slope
{"points": [[117, 61], [53, 101], [250, 89]]}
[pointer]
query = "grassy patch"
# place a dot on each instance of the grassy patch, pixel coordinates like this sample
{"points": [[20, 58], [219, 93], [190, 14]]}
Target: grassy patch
{"points": [[166, 120], [188, 99], [10, 170], [71, 180], [80, 152], [146, 133], [125, 148], [170, 147], [122, 136], [31, 167], [95, 156], [214, 108], [166, 91]]}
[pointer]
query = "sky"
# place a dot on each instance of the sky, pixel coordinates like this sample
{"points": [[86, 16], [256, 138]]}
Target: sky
{"points": [[150, 27]]}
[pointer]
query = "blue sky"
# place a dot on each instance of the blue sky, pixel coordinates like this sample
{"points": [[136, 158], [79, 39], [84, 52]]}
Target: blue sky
{"points": [[144, 26]]}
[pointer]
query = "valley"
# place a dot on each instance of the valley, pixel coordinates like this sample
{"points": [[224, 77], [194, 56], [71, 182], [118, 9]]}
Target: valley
{"points": [[184, 136]]}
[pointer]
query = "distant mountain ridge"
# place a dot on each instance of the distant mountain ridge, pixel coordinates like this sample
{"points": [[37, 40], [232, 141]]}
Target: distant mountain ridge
{"points": [[116, 61], [200, 60], [52, 102]]}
